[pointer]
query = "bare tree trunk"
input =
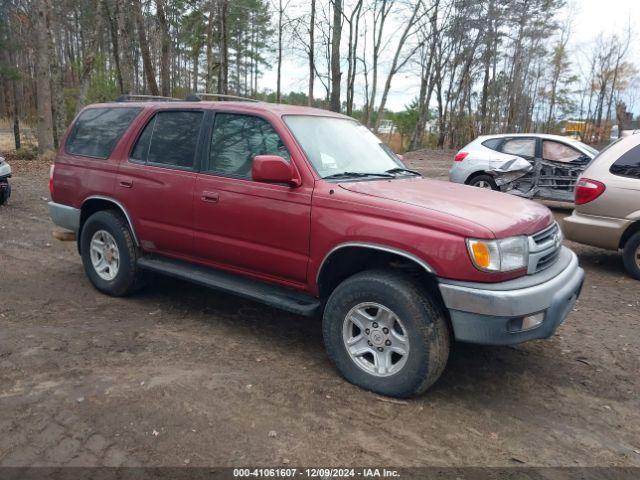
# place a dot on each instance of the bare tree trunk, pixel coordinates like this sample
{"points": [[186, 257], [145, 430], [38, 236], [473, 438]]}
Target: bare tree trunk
{"points": [[8, 53], [165, 47], [223, 71], [57, 93], [336, 74], [43, 79], [149, 72], [126, 62], [89, 59], [312, 64], [115, 44], [396, 63], [352, 55], [209, 48], [279, 68]]}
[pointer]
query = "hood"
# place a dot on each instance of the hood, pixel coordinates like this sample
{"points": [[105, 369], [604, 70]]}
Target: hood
{"points": [[503, 214]]}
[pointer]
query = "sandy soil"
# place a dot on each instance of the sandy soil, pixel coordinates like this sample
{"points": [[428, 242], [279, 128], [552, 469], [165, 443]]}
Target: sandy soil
{"points": [[181, 375]]}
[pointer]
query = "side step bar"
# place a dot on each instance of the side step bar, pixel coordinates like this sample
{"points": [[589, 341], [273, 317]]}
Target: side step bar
{"points": [[272, 295]]}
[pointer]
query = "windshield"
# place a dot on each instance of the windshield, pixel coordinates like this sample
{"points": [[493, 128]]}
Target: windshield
{"points": [[341, 146]]}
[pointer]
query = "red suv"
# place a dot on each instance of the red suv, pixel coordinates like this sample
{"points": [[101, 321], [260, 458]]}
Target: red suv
{"points": [[306, 210]]}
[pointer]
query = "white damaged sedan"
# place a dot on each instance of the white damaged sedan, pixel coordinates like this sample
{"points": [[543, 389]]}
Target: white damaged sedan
{"points": [[527, 165]]}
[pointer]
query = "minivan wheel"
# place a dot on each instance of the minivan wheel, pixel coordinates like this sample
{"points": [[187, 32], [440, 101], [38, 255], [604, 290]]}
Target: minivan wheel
{"points": [[484, 181], [631, 256], [386, 333], [109, 254]]}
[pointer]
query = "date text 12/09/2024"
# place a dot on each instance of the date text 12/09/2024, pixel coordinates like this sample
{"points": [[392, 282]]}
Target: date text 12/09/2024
{"points": [[314, 472]]}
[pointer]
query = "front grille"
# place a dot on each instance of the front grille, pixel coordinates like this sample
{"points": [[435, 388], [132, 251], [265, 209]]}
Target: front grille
{"points": [[544, 248], [547, 260], [545, 235]]}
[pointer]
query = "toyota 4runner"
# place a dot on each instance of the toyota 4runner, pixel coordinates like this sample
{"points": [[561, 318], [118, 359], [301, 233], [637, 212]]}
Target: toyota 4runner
{"points": [[307, 211]]}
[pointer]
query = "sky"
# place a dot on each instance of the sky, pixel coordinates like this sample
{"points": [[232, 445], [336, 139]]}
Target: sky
{"points": [[590, 18]]}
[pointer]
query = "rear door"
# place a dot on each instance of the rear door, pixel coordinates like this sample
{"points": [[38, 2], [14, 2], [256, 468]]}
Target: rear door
{"points": [[156, 182], [253, 227]]}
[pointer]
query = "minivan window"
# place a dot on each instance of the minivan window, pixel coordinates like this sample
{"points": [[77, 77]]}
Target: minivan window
{"points": [[237, 139], [628, 165], [169, 139], [97, 130]]}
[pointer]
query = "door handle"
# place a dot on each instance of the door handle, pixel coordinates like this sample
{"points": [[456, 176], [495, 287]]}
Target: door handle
{"points": [[211, 197], [127, 183]]}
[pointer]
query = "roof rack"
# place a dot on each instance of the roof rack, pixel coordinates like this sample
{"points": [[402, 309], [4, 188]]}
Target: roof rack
{"points": [[197, 97], [145, 98]]}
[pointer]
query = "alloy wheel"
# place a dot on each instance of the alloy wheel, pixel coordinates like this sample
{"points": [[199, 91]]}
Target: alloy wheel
{"points": [[375, 339]]}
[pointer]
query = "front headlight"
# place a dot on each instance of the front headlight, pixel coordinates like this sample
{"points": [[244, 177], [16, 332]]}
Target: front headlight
{"points": [[502, 255]]}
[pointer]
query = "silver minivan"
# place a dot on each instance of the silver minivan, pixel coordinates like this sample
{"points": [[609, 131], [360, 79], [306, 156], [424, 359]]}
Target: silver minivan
{"points": [[607, 212]]}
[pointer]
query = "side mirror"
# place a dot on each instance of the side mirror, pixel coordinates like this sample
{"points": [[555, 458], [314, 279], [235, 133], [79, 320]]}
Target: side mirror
{"points": [[273, 169]]}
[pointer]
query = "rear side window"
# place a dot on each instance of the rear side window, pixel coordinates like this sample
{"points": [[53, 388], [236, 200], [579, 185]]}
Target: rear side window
{"points": [[524, 147], [492, 143], [628, 165], [97, 130], [170, 139], [237, 139]]}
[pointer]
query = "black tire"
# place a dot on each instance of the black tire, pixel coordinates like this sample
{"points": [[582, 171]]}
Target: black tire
{"points": [[423, 317], [631, 255], [129, 276], [5, 191], [487, 179]]}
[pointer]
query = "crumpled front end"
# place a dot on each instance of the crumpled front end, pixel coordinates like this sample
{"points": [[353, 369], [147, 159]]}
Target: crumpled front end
{"points": [[539, 178]]}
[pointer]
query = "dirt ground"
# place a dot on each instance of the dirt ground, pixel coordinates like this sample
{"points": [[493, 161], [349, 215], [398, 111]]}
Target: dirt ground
{"points": [[181, 375]]}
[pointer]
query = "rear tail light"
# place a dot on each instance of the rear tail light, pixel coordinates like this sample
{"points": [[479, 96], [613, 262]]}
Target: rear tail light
{"points": [[51, 169], [588, 190], [460, 156]]}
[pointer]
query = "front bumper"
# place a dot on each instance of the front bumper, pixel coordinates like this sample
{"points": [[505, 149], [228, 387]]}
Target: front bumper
{"points": [[603, 232], [486, 313]]}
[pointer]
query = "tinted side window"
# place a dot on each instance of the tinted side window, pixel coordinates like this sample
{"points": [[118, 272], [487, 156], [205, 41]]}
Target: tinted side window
{"points": [[525, 147], [170, 138], [236, 139], [97, 131], [492, 143], [628, 165], [141, 149], [174, 139]]}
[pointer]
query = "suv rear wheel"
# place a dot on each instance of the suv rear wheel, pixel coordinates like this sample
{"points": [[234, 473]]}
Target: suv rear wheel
{"points": [[631, 256], [386, 334], [109, 254]]}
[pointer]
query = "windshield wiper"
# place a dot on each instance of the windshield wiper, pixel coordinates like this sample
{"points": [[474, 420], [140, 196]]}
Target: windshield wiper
{"points": [[358, 175], [403, 170]]}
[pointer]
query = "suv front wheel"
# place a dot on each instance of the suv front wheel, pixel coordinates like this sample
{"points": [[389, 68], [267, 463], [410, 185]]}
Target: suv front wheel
{"points": [[385, 333], [109, 254]]}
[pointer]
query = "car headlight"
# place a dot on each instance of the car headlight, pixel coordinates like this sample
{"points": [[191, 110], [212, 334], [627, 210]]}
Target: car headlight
{"points": [[502, 255]]}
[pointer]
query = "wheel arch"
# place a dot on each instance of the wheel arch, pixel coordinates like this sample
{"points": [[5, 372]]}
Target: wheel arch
{"points": [[350, 258], [98, 203], [628, 233], [475, 174]]}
